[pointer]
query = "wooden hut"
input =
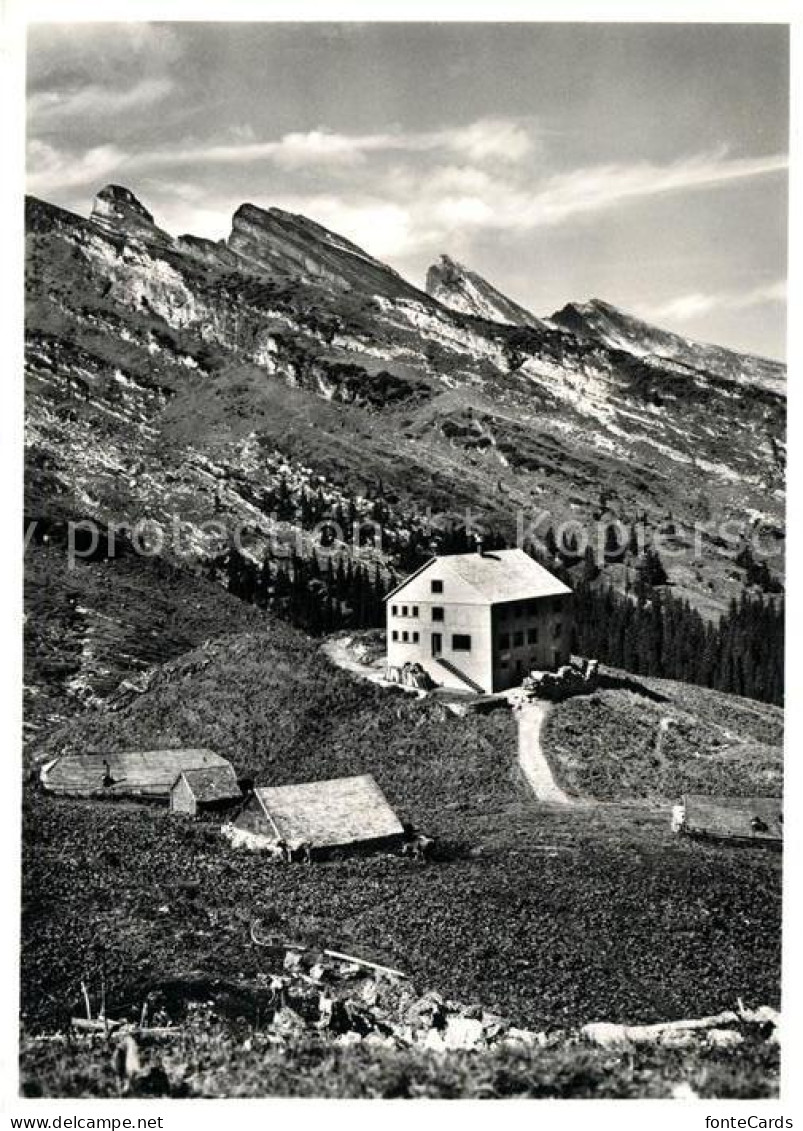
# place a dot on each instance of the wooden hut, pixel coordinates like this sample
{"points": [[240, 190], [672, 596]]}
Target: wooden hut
{"points": [[341, 813], [742, 819], [209, 788], [133, 773]]}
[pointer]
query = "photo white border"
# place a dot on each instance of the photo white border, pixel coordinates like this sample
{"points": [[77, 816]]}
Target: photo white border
{"points": [[358, 1114]]}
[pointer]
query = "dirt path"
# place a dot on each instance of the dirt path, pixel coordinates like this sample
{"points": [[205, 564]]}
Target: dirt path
{"points": [[337, 651], [531, 719]]}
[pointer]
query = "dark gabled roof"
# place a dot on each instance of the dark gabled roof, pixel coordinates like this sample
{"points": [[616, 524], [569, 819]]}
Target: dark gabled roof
{"points": [[341, 811], [739, 818], [216, 783], [132, 772]]}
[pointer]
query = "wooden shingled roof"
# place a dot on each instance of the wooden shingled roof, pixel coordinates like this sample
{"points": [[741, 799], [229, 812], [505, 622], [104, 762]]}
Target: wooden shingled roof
{"points": [[132, 773], [330, 814], [734, 818], [212, 783]]}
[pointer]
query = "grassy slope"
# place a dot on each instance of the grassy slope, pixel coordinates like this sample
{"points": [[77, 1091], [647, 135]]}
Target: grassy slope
{"points": [[90, 627], [659, 738], [623, 923], [228, 1063]]}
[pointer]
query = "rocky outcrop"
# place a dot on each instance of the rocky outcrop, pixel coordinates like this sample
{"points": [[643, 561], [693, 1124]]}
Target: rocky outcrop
{"points": [[455, 286], [285, 244], [116, 207], [571, 679], [604, 323]]}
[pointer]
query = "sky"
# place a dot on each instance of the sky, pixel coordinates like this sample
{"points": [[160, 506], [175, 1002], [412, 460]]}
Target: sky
{"points": [[643, 164]]}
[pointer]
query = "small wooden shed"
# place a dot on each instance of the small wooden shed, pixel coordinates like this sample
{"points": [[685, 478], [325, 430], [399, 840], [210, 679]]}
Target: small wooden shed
{"points": [[742, 819], [131, 773], [213, 787], [340, 813]]}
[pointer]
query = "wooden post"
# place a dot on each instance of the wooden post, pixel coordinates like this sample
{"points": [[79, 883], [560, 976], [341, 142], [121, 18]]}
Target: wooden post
{"points": [[85, 992]]}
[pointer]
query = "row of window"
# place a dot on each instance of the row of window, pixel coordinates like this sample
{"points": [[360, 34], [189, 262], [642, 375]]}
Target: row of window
{"points": [[517, 638], [519, 609], [528, 608], [404, 610], [460, 642], [405, 637], [412, 611]]}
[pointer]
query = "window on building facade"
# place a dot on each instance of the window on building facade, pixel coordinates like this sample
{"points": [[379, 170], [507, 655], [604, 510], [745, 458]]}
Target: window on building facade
{"points": [[436, 586], [415, 638], [395, 610], [532, 635], [394, 635], [518, 639], [461, 643], [504, 640], [405, 637], [437, 612], [404, 610], [415, 610]]}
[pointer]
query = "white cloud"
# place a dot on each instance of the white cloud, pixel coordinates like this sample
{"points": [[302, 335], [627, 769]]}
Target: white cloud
{"points": [[449, 204], [47, 106], [484, 140], [603, 187], [54, 170], [688, 307]]}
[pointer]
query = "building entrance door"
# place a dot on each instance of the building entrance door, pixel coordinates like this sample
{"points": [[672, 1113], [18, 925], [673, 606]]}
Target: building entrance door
{"points": [[437, 644]]}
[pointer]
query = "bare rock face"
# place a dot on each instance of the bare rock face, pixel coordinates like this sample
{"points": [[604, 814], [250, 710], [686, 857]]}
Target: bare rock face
{"points": [[607, 325], [285, 244], [213, 254], [117, 207], [455, 286]]}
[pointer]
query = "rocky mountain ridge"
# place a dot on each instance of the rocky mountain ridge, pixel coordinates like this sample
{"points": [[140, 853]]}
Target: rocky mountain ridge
{"points": [[601, 321], [463, 290], [178, 375]]}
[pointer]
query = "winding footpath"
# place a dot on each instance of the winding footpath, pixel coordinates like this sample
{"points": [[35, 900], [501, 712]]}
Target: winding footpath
{"points": [[536, 768]]}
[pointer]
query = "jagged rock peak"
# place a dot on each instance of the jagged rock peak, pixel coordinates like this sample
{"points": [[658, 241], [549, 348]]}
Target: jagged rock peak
{"points": [[116, 209], [457, 287], [117, 204], [285, 243], [278, 220], [614, 328]]}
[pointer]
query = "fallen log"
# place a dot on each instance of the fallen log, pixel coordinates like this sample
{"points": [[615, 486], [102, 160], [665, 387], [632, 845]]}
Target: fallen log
{"points": [[609, 1035], [117, 1028], [364, 962], [96, 1025]]}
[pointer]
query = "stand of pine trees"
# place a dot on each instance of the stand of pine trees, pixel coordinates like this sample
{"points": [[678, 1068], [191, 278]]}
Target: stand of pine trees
{"points": [[653, 632], [664, 636], [318, 596]]}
